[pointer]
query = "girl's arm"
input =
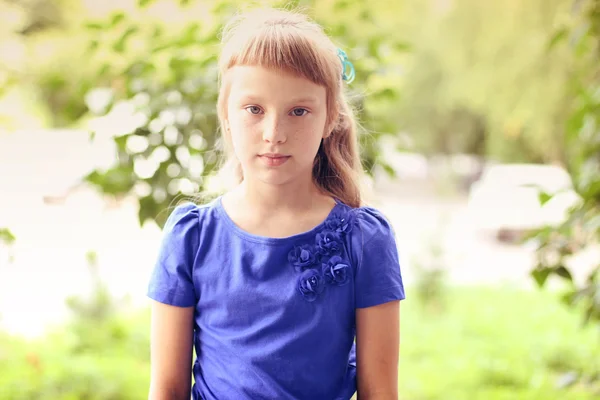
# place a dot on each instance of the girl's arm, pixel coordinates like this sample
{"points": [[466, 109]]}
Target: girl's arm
{"points": [[171, 340], [377, 347]]}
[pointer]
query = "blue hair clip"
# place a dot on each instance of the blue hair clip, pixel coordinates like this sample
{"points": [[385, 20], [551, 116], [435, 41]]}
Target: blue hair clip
{"points": [[348, 73]]}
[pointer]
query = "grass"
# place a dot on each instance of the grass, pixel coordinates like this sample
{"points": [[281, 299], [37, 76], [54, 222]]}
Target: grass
{"points": [[496, 343]]}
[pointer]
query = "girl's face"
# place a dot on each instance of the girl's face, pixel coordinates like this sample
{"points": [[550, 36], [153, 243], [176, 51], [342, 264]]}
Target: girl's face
{"points": [[276, 122]]}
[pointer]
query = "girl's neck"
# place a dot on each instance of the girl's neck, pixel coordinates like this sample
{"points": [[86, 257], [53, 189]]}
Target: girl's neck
{"points": [[265, 198], [277, 211]]}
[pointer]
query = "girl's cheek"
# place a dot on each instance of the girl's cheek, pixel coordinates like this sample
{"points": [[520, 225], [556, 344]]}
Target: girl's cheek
{"points": [[245, 131], [238, 123], [248, 121]]}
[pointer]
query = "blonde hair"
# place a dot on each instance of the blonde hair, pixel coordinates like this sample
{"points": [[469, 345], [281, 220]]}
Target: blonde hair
{"points": [[289, 41]]}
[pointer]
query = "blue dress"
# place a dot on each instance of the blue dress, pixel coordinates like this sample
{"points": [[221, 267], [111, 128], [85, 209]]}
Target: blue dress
{"points": [[275, 317]]}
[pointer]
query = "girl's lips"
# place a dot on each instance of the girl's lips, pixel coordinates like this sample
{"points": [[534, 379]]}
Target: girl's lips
{"points": [[274, 160]]}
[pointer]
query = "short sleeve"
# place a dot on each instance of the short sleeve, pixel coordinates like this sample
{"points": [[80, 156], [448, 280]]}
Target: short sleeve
{"points": [[171, 280], [378, 277]]}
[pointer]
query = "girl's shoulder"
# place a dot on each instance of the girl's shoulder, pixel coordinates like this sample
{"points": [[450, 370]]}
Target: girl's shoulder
{"points": [[367, 221], [365, 229], [373, 252], [189, 218], [190, 212]]}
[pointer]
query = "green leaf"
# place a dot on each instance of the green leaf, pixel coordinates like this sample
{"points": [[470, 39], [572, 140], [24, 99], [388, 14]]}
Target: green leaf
{"points": [[93, 45], [161, 47], [189, 35], [94, 26], [594, 275], [596, 297], [543, 197], [119, 45], [570, 298], [6, 236], [388, 168], [373, 46], [341, 5], [121, 142], [144, 3], [139, 69], [559, 36], [118, 180], [590, 312], [222, 8], [116, 19], [104, 70], [212, 59], [402, 46], [564, 273], [178, 63], [157, 32], [540, 274], [149, 209]]}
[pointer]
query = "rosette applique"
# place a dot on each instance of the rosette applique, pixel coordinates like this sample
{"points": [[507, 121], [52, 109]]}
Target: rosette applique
{"points": [[320, 264]]}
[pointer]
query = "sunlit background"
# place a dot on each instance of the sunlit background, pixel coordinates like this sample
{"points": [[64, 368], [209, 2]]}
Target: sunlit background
{"points": [[481, 139]]}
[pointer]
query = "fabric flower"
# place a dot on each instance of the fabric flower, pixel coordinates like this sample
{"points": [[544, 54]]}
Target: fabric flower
{"points": [[329, 243], [336, 271], [302, 257], [311, 284], [340, 223]]}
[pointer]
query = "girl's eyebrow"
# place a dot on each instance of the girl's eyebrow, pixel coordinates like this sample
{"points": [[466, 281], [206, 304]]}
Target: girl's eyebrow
{"points": [[303, 99]]}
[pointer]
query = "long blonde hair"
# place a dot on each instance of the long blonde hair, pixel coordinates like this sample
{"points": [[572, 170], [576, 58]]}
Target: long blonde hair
{"points": [[290, 41]]}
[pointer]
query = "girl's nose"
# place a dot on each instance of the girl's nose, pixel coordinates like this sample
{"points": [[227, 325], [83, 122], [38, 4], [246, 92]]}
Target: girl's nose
{"points": [[273, 132]]}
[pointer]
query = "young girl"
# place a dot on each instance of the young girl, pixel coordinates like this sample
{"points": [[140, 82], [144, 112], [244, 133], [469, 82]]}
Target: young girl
{"points": [[286, 286]]}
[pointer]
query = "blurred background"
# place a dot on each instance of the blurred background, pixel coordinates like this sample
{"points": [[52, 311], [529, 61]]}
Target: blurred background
{"points": [[481, 139]]}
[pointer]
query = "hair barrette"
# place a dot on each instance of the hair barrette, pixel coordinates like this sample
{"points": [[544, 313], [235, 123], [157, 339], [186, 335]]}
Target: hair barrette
{"points": [[348, 73]]}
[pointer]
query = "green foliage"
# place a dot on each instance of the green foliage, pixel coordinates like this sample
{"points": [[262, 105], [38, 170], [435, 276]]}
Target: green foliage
{"points": [[480, 81], [101, 354], [7, 239], [170, 84], [497, 343], [581, 231], [6, 236]]}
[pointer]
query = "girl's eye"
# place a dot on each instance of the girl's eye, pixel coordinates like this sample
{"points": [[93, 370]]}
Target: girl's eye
{"points": [[299, 112], [253, 110]]}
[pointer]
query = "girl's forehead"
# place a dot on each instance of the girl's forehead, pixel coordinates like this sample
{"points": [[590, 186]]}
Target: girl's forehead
{"points": [[257, 81]]}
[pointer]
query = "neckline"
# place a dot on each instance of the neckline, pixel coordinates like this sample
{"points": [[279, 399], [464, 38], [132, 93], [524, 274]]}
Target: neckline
{"points": [[267, 239]]}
